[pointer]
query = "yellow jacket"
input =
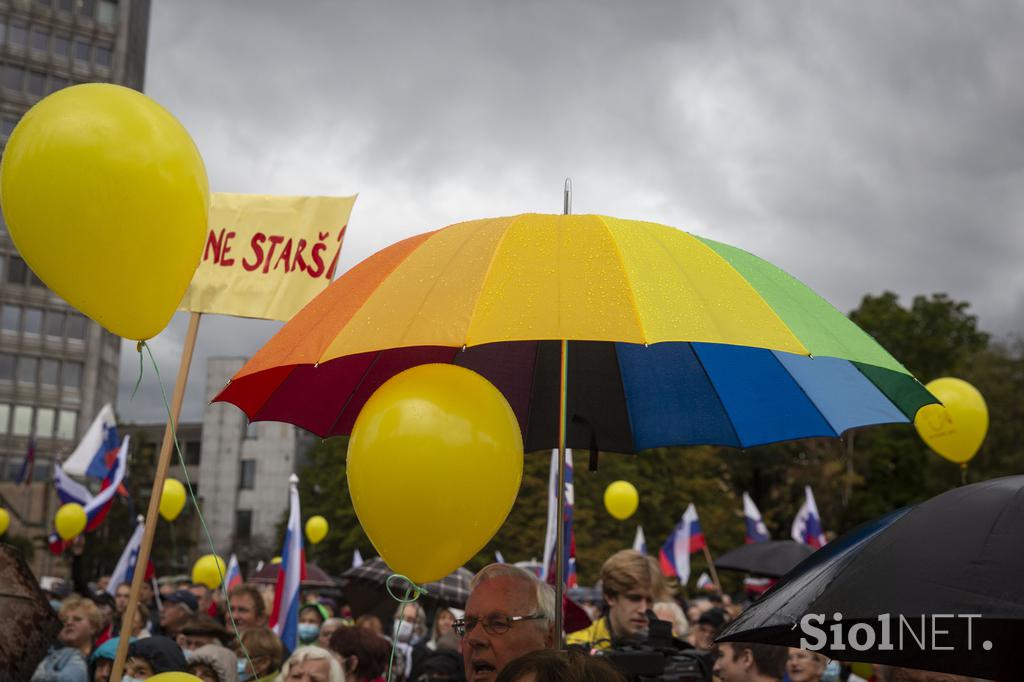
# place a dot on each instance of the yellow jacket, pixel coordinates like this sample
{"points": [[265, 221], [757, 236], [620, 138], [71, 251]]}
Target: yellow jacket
{"points": [[596, 636]]}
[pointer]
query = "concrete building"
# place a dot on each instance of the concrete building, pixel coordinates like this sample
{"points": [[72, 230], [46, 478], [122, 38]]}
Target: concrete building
{"points": [[244, 470], [57, 367]]}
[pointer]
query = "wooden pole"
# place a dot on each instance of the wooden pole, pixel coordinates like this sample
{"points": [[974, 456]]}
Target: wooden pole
{"points": [[163, 463], [711, 567]]}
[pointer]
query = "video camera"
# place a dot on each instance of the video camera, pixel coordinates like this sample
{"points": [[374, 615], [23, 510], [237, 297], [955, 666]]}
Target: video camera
{"points": [[660, 656]]}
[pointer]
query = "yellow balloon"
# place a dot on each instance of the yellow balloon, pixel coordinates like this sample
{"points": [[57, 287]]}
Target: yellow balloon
{"points": [[174, 677], [276, 560], [957, 428], [208, 570], [434, 466], [5, 520], [70, 520], [173, 499], [106, 197], [316, 528], [621, 499]]}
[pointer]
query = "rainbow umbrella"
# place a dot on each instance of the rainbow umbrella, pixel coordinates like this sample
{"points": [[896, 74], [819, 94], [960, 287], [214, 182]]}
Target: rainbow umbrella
{"points": [[602, 333]]}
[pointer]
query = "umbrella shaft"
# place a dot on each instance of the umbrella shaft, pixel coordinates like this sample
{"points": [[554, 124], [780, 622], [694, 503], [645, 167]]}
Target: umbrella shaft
{"points": [[560, 526]]}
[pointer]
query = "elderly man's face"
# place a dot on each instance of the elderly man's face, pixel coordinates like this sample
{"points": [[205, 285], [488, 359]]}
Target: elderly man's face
{"points": [[486, 654]]}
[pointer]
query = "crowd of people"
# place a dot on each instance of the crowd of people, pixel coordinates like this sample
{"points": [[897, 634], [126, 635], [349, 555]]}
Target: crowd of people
{"points": [[505, 634]]}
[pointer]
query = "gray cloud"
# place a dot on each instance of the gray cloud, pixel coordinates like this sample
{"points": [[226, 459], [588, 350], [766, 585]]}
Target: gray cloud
{"points": [[860, 146]]}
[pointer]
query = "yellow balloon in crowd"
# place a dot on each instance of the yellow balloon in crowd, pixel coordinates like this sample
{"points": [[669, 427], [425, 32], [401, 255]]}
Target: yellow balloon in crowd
{"points": [[276, 560], [70, 520], [173, 499], [957, 428], [209, 570], [175, 677], [106, 197], [316, 528], [434, 466], [5, 520], [621, 499]]}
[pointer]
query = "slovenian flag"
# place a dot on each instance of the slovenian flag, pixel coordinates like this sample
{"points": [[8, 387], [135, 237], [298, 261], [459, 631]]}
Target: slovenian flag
{"points": [[807, 524], [549, 569], [96, 454], [234, 577], [685, 539], [124, 571], [756, 530], [96, 506], [705, 583], [284, 619]]}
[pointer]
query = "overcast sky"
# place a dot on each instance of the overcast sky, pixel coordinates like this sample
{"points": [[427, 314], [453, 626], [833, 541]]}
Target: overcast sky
{"points": [[859, 146]]}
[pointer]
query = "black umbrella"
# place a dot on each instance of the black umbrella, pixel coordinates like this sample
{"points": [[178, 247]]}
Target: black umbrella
{"points": [[365, 589], [315, 576], [771, 559], [935, 587]]}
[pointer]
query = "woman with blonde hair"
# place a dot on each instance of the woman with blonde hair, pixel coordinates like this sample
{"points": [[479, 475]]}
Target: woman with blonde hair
{"points": [[68, 660]]}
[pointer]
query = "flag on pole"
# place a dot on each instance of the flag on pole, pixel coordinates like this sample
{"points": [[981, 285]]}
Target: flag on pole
{"points": [[549, 569], [807, 524], [124, 571], [357, 559], [95, 454], [96, 506], [685, 539], [705, 583], [28, 465], [756, 530], [640, 542], [234, 576], [284, 619]]}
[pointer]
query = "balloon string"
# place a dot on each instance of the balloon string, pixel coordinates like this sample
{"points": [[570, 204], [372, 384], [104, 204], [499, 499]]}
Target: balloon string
{"points": [[411, 589], [138, 381], [192, 496]]}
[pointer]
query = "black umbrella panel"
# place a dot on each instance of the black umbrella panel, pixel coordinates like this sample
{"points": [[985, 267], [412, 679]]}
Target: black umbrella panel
{"points": [[771, 559], [935, 587]]}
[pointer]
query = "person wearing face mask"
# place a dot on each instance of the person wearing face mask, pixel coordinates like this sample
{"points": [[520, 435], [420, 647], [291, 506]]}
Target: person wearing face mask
{"points": [[410, 631], [311, 617], [67, 661], [265, 653], [101, 662]]}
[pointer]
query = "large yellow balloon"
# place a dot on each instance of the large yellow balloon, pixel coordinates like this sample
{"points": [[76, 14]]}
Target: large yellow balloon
{"points": [[208, 570], [957, 428], [5, 520], [175, 677], [106, 197], [434, 466], [70, 520], [316, 529], [173, 499], [621, 499]]}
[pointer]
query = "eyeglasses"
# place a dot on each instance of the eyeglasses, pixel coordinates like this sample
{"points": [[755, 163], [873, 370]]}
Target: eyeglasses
{"points": [[496, 625]]}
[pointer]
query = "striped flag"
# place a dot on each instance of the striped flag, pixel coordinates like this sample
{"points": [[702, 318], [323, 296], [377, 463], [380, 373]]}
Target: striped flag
{"points": [[357, 558], [96, 506], [96, 453], [640, 542], [234, 576], [284, 619], [705, 583], [807, 524], [685, 539], [756, 530], [549, 570], [28, 465], [124, 571], [498, 557]]}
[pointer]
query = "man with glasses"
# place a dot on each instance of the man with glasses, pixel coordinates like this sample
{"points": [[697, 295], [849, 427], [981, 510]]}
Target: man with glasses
{"points": [[510, 612], [631, 583]]}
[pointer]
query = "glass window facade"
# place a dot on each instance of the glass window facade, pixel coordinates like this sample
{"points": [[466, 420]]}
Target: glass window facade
{"points": [[66, 424]]}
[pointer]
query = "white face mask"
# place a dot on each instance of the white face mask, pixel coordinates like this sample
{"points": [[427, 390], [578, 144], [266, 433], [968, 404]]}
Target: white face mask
{"points": [[404, 631]]}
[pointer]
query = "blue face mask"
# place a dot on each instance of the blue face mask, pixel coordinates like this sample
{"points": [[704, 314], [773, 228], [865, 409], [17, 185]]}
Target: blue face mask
{"points": [[831, 673], [243, 670], [188, 654], [308, 632], [55, 604]]}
